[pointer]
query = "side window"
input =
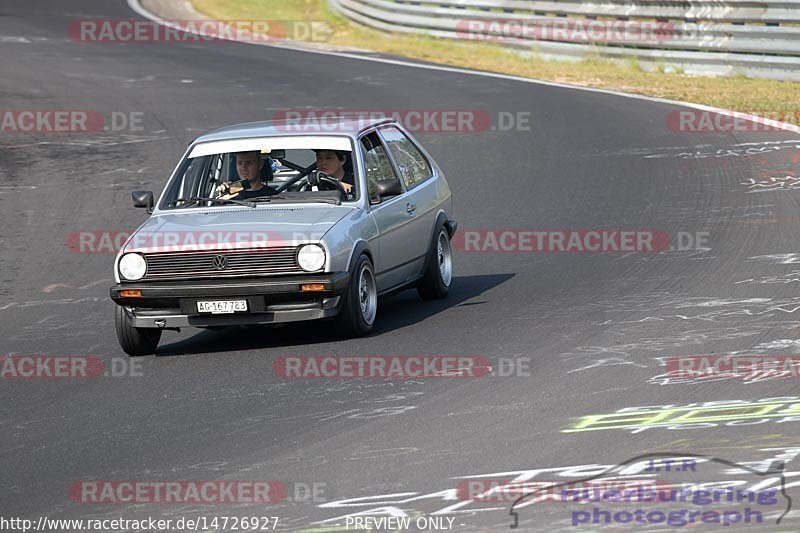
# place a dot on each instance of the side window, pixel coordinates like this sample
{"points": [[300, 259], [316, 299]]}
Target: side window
{"points": [[413, 167], [196, 177], [378, 167]]}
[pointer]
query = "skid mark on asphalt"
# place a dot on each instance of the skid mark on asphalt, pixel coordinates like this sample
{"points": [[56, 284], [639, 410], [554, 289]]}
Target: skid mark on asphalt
{"points": [[56, 286], [781, 259], [695, 254], [735, 150], [673, 342], [89, 143], [789, 219], [615, 361], [695, 151], [713, 214], [63, 327], [367, 453], [487, 408], [791, 277], [721, 309], [149, 77], [122, 171], [62, 301], [364, 414], [395, 397], [69, 324], [364, 409], [661, 327], [778, 344], [744, 376], [786, 183]]}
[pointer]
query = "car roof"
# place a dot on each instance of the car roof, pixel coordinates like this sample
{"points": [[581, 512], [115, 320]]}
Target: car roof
{"points": [[329, 125]]}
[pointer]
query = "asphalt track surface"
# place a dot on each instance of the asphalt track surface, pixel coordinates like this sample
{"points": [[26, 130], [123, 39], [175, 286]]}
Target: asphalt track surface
{"points": [[208, 406]]}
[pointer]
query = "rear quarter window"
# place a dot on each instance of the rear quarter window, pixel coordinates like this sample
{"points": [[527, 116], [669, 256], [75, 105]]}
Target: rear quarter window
{"points": [[414, 168]]}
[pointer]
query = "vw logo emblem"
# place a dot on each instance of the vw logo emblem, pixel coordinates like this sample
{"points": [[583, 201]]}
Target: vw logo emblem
{"points": [[220, 262]]}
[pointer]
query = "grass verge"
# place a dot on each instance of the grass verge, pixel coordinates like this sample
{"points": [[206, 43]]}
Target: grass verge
{"points": [[738, 93]]}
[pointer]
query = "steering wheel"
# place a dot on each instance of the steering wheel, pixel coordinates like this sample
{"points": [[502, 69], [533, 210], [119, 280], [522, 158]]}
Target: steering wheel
{"points": [[323, 181]]}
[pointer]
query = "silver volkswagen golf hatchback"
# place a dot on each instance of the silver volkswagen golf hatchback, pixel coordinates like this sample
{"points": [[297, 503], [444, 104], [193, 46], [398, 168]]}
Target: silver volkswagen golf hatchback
{"points": [[272, 222]]}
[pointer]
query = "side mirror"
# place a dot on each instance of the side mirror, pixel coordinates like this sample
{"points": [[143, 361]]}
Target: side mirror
{"points": [[143, 199], [389, 188]]}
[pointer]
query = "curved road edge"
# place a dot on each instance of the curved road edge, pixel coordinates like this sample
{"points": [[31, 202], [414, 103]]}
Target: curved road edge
{"points": [[161, 13]]}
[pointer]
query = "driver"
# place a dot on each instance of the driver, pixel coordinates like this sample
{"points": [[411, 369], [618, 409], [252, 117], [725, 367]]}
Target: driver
{"points": [[331, 162], [249, 166]]}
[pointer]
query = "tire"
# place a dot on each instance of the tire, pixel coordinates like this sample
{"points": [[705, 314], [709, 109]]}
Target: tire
{"points": [[360, 302], [135, 341], [438, 275]]}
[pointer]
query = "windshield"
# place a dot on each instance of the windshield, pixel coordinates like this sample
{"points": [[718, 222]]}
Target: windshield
{"points": [[269, 170]]}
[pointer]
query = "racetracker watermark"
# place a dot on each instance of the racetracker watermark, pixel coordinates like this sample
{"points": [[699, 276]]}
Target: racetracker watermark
{"points": [[66, 367], [195, 31], [374, 366], [469, 240], [729, 121], [216, 492], [507, 491], [565, 30], [741, 366], [99, 242], [414, 120], [69, 121], [550, 241]]}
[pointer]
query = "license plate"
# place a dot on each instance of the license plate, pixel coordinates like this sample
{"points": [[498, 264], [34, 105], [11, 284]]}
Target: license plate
{"points": [[222, 307]]}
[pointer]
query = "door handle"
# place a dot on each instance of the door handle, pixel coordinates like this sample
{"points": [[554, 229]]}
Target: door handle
{"points": [[410, 209]]}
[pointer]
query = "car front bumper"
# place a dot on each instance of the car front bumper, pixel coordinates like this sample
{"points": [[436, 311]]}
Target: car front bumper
{"points": [[173, 304]]}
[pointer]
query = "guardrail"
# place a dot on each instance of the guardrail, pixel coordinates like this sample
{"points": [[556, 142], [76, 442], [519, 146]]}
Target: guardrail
{"points": [[755, 38]]}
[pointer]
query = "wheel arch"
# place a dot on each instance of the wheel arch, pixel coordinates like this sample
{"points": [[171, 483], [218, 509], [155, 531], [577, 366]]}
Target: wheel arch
{"points": [[441, 219], [360, 247]]}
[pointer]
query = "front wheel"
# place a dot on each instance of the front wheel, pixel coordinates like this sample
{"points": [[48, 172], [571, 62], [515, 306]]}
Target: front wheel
{"points": [[439, 273], [135, 341], [360, 302]]}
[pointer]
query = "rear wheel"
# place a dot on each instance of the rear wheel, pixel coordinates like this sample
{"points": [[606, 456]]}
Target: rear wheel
{"points": [[439, 274], [135, 341], [360, 302]]}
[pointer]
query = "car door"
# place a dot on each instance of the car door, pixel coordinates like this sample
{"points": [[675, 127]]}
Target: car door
{"points": [[422, 198], [393, 264]]}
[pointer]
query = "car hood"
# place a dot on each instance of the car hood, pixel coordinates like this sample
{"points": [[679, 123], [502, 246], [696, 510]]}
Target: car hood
{"points": [[223, 228]]}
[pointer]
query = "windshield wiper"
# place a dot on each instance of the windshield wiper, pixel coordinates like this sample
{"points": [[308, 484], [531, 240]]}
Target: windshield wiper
{"points": [[196, 199]]}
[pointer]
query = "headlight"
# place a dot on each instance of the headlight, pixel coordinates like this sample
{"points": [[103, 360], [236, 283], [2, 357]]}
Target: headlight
{"points": [[311, 257], [132, 266]]}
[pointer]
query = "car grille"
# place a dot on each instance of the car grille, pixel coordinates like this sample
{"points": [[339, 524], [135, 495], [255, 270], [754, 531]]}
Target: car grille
{"points": [[222, 264]]}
